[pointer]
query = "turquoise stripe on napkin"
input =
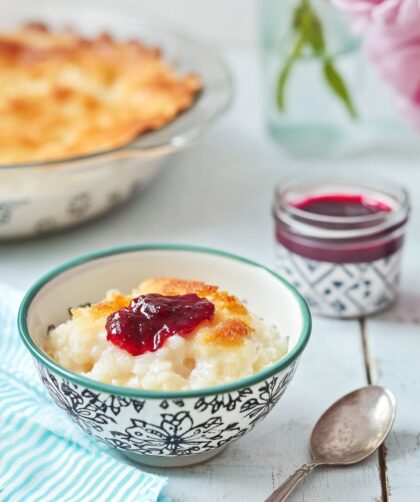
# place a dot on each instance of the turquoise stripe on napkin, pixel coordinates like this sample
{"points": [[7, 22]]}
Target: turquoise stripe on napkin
{"points": [[43, 456]]}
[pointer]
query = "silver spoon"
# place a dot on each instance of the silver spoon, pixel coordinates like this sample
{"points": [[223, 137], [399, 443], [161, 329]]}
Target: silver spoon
{"points": [[348, 432]]}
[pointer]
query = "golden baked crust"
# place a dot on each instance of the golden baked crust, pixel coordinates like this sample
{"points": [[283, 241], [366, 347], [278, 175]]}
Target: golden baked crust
{"points": [[170, 286], [230, 325], [62, 95]]}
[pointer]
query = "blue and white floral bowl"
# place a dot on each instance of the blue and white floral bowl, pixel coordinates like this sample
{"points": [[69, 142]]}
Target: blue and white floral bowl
{"points": [[164, 429]]}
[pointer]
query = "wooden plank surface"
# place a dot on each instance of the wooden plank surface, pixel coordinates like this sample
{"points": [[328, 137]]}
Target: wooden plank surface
{"points": [[393, 342], [250, 469], [394, 348]]}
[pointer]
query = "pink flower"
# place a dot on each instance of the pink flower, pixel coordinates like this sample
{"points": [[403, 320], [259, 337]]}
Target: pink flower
{"points": [[392, 43], [361, 12]]}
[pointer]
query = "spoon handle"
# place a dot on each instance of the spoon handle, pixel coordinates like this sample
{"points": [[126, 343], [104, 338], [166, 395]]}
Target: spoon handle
{"points": [[284, 490]]}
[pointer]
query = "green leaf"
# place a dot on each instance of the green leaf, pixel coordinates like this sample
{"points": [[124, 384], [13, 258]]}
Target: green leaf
{"points": [[307, 22], [307, 28], [287, 68], [338, 86]]}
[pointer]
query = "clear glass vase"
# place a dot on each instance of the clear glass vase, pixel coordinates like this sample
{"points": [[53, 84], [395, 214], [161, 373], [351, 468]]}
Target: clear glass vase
{"points": [[319, 95]]}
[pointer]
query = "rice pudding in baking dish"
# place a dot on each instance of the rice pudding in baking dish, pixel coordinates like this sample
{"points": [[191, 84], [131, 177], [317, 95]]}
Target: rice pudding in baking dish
{"points": [[65, 95], [168, 334]]}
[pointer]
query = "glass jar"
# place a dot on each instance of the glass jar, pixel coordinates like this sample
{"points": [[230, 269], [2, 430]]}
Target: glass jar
{"points": [[321, 97], [339, 242]]}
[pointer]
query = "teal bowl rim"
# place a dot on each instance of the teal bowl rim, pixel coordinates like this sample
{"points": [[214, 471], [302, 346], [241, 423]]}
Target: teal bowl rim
{"points": [[236, 385]]}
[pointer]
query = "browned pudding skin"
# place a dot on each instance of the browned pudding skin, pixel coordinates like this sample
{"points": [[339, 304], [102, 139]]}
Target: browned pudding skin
{"points": [[229, 332], [103, 309], [64, 95], [229, 327]]}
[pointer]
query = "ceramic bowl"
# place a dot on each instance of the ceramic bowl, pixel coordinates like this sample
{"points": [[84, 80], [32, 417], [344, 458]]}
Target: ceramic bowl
{"points": [[164, 428], [81, 188]]}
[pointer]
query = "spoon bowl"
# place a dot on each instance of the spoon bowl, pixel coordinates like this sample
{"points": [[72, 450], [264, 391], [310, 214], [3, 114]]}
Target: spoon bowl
{"points": [[348, 432], [353, 427]]}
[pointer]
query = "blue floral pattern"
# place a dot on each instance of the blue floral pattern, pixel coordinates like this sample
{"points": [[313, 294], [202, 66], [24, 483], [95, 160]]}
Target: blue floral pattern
{"points": [[342, 289], [170, 427], [83, 407], [175, 435], [269, 394]]}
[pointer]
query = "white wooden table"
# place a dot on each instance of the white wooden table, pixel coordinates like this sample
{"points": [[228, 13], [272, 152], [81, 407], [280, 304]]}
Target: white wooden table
{"points": [[218, 194]]}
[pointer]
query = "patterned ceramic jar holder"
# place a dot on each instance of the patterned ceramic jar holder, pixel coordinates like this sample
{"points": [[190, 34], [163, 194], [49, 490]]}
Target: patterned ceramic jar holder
{"points": [[344, 265]]}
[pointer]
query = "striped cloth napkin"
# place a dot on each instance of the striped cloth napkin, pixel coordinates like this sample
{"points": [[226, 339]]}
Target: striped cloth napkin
{"points": [[43, 456]]}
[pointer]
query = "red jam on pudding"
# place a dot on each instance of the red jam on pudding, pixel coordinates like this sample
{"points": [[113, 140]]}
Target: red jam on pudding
{"points": [[150, 319]]}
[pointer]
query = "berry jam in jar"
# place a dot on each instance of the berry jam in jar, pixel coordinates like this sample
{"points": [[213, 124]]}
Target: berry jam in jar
{"points": [[339, 242]]}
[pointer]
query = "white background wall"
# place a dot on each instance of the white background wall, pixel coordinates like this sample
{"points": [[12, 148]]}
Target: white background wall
{"points": [[212, 20]]}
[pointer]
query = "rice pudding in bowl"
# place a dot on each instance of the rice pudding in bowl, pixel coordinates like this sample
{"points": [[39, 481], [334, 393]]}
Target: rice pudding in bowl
{"points": [[193, 412], [225, 344]]}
